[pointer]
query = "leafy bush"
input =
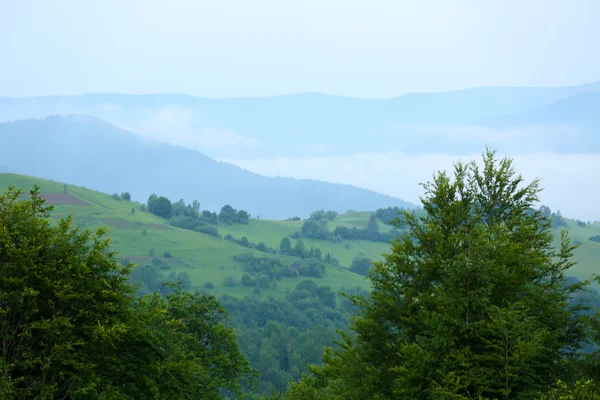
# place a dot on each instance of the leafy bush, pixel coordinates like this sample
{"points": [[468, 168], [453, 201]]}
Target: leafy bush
{"points": [[595, 238], [229, 281], [247, 280], [209, 230], [209, 285]]}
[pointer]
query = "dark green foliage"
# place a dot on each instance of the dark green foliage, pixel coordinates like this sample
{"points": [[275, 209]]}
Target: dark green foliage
{"points": [[286, 245], [361, 265], [558, 221], [227, 214], [472, 303], [132, 211], [281, 337], [209, 285], [312, 229], [323, 215], [242, 217], [126, 196], [275, 268], [116, 196], [595, 238], [208, 230], [229, 281], [247, 280], [372, 225], [71, 327], [167, 254], [160, 206], [364, 234], [387, 215]]}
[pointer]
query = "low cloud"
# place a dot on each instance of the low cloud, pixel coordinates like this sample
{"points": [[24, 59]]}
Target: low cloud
{"points": [[179, 126], [571, 181]]}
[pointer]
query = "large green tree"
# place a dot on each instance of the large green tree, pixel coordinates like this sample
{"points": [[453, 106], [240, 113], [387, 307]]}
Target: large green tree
{"points": [[471, 303], [71, 326]]}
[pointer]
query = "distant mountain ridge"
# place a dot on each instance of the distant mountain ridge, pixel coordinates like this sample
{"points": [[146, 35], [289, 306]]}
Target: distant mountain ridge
{"points": [[86, 151], [307, 124]]}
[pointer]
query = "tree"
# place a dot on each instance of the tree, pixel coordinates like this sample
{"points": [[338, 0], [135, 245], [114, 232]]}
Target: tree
{"points": [[68, 314], [373, 226], [472, 302], [311, 229], [196, 206], [227, 214], [160, 206], [242, 217], [300, 249], [361, 265], [286, 245], [126, 196]]}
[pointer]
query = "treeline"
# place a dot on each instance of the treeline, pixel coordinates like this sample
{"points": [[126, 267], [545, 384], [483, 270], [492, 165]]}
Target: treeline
{"points": [[317, 229], [285, 247], [274, 268], [190, 217]]}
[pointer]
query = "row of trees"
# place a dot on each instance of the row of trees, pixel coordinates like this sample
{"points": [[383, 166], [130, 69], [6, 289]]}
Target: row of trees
{"points": [[275, 268], [72, 327], [188, 214], [317, 229]]}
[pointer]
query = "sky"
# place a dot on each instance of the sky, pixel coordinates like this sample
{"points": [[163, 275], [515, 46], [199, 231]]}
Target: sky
{"points": [[366, 49], [369, 49]]}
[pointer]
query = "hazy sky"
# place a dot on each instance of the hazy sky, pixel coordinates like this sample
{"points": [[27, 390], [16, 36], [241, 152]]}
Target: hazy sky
{"points": [[265, 47]]}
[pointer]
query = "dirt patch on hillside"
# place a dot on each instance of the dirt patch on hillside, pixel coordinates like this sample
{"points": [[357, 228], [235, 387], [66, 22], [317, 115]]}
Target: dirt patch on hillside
{"points": [[119, 223], [62, 198]]}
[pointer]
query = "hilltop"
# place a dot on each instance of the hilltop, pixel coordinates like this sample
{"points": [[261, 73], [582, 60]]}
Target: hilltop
{"points": [[89, 152]]}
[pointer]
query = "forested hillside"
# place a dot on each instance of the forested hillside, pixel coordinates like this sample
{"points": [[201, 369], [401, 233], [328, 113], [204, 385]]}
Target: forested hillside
{"points": [[89, 152], [279, 280]]}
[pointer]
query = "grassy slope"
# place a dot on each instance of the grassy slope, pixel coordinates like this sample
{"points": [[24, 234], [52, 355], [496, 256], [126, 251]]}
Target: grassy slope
{"points": [[203, 257]]}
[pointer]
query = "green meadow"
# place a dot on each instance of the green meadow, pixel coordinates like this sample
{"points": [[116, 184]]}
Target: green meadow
{"points": [[139, 236]]}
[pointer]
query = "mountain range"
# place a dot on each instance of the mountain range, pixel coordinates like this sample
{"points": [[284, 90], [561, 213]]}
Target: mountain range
{"points": [[89, 152], [309, 124]]}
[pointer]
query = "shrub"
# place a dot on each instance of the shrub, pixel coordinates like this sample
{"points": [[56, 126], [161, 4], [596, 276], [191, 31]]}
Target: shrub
{"points": [[209, 285], [247, 280], [209, 230], [167, 254], [229, 281], [595, 238], [116, 196]]}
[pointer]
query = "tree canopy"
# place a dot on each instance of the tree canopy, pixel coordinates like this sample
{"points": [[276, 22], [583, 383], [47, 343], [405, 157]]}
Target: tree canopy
{"points": [[71, 326], [472, 302]]}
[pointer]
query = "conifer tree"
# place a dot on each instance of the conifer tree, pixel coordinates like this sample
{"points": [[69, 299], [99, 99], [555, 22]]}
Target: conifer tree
{"points": [[471, 303]]}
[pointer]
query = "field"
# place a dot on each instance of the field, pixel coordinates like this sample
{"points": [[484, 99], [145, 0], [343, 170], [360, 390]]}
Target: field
{"points": [[138, 236]]}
